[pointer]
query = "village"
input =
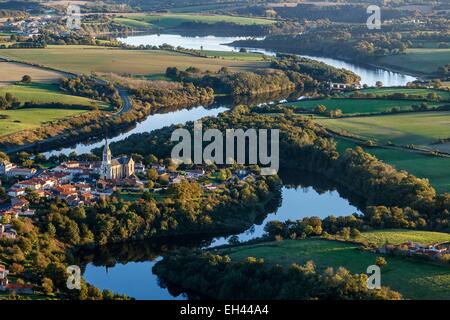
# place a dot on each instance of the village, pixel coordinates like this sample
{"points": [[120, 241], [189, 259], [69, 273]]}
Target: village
{"points": [[82, 183]]}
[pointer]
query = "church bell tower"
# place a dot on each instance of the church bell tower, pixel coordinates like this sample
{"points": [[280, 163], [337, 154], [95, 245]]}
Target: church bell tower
{"points": [[105, 169]]}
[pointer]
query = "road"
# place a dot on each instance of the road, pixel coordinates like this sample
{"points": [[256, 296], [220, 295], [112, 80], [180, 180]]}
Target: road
{"points": [[126, 106]]}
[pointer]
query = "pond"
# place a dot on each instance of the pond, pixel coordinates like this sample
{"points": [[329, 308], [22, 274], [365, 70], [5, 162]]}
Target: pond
{"points": [[127, 269]]}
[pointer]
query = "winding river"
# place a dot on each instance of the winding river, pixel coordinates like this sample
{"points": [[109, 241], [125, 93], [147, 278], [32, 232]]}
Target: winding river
{"points": [[127, 269]]}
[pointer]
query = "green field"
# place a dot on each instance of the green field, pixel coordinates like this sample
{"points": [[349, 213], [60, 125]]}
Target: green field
{"points": [[87, 59], [358, 106], [415, 280], [397, 236], [132, 23], [230, 55], [445, 95], [27, 119], [421, 128], [434, 168], [175, 20], [418, 61], [47, 93]]}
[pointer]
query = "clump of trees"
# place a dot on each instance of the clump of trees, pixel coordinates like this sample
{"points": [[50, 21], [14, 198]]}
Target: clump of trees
{"points": [[8, 102], [214, 276], [92, 88]]}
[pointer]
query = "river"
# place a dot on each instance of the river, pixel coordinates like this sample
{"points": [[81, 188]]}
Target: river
{"points": [[127, 268], [369, 75]]}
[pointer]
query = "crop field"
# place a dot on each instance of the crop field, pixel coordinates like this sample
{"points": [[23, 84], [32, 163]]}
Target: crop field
{"points": [[47, 93], [86, 59], [26, 119], [175, 20], [434, 168], [415, 280], [397, 236], [11, 72], [422, 61], [358, 106], [420, 128]]}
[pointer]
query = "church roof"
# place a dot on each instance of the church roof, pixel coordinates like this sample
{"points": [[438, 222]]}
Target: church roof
{"points": [[123, 160]]}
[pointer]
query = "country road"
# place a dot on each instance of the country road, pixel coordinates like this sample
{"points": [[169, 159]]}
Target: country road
{"points": [[126, 105]]}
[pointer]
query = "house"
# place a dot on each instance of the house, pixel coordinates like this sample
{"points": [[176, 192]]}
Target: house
{"points": [[32, 184], [195, 174], [342, 86], [6, 166], [140, 168], [83, 187], [13, 192], [19, 203], [6, 231], [60, 177], [3, 276], [159, 169], [21, 172], [15, 288]]}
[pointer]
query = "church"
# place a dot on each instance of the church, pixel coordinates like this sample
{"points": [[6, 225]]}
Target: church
{"points": [[117, 168]]}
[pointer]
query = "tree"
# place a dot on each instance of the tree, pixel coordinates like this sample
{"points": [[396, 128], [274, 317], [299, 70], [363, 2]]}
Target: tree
{"points": [[152, 174], [354, 233], [47, 285], [381, 262], [379, 84], [26, 79], [320, 109]]}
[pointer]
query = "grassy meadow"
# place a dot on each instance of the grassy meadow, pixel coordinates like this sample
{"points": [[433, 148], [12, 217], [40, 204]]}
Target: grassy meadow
{"points": [[398, 236], [433, 168], [417, 61], [47, 93], [171, 20], [87, 59], [445, 95], [28, 119], [358, 106], [420, 128], [415, 280]]}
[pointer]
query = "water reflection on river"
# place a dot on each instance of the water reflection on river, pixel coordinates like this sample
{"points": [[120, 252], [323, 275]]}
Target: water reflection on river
{"points": [[127, 268], [369, 75]]}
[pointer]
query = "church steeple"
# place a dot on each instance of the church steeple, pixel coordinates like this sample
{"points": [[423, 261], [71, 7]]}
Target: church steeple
{"points": [[107, 156], [106, 162]]}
